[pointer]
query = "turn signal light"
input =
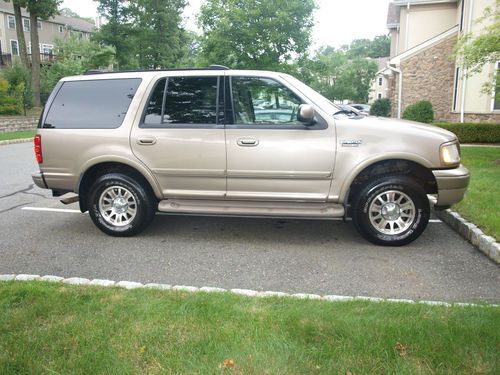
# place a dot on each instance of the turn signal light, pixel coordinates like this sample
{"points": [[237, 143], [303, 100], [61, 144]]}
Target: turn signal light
{"points": [[38, 148]]}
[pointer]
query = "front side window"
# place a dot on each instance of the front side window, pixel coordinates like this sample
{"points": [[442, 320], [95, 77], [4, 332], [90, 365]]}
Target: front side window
{"points": [[380, 81], [39, 25], [263, 101], [95, 104], [11, 20], [26, 25], [183, 100]]}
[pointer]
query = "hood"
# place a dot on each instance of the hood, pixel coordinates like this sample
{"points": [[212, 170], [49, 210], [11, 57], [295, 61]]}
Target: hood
{"points": [[405, 126]]}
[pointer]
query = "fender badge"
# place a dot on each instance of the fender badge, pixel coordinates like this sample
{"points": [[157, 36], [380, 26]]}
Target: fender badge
{"points": [[351, 142]]}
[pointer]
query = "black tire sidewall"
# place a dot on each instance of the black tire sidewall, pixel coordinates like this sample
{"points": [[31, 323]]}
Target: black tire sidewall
{"points": [[143, 202], [371, 191]]}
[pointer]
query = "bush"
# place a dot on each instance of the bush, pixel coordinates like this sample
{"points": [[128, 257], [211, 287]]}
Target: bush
{"points": [[18, 75], [381, 108], [11, 102], [421, 111], [473, 133]]}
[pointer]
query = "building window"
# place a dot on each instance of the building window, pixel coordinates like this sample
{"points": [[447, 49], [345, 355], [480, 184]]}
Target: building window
{"points": [[14, 47], [462, 15], [12, 22], [26, 25], [61, 28], [379, 95], [380, 81], [496, 99], [46, 49], [80, 35], [39, 25]]}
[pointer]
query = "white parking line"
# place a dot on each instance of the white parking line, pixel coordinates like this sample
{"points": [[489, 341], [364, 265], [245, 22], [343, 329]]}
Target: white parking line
{"points": [[158, 213]]}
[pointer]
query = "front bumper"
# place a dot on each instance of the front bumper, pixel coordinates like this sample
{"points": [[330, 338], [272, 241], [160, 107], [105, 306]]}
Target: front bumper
{"points": [[452, 185], [39, 180]]}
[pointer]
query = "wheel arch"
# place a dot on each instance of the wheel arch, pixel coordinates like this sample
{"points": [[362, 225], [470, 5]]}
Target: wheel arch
{"points": [[397, 166], [95, 170]]}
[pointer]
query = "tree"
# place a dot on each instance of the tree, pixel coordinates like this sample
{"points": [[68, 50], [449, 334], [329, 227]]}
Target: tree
{"points": [[118, 32], [42, 9], [476, 51], [380, 46], [17, 4], [69, 13], [76, 56], [255, 34], [158, 32]]}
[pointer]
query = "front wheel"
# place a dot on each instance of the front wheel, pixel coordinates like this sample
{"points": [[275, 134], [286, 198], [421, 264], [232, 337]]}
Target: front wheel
{"points": [[119, 205], [391, 211]]}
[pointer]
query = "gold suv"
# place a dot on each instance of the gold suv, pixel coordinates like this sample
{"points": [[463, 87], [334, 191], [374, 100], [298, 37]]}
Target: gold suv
{"points": [[239, 143]]}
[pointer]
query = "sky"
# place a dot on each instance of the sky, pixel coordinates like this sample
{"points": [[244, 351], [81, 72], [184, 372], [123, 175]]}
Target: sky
{"points": [[337, 22]]}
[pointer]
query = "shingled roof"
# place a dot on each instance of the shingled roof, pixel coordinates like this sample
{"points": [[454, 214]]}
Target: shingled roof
{"points": [[393, 16], [74, 23]]}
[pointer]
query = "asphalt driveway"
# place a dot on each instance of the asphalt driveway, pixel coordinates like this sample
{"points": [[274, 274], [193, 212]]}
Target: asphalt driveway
{"points": [[323, 257]]}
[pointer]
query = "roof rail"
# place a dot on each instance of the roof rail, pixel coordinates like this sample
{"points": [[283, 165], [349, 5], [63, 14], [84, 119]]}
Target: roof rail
{"points": [[218, 67], [211, 67]]}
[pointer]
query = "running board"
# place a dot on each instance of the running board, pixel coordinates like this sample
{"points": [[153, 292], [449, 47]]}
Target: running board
{"points": [[245, 208]]}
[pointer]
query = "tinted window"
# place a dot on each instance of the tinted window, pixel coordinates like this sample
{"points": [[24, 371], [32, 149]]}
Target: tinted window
{"points": [[100, 104], [263, 101], [191, 100]]}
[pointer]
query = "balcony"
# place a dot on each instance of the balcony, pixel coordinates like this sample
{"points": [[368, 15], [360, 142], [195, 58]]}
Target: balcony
{"points": [[45, 58]]}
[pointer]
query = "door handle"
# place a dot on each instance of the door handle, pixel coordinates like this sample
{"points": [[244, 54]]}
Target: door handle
{"points": [[146, 141], [248, 142]]}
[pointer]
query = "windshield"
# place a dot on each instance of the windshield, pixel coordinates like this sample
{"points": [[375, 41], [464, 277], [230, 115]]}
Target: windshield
{"points": [[313, 95]]}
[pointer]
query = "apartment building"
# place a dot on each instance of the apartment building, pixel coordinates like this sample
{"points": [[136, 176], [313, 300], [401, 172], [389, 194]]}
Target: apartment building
{"points": [[422, 64], [48, 30], [380, 85]]}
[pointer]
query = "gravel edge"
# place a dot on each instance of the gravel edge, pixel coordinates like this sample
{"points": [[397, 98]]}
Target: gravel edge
{"points": [[244, 292], [469, 231], [14, 141]]}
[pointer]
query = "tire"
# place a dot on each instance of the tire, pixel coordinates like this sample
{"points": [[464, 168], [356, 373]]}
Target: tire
{"points": [[120, 206], [391, 211]]}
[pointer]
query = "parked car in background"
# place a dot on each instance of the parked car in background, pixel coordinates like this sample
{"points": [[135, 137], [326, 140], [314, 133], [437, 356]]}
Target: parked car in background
{"points": [[363, 108], [238, 143]]}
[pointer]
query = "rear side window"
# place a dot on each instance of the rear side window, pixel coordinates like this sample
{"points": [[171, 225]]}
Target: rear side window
{"points": [[96, 104], [183, 100]]}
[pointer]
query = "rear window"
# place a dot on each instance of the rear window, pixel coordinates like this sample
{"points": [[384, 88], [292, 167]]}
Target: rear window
{"points": [[97, 104]]}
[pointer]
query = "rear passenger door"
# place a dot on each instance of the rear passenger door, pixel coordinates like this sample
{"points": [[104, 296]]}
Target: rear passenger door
{"points": [[181, 138]]}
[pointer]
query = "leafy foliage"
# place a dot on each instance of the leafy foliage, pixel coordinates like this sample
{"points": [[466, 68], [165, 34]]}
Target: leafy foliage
{"points": [[421, 111], [478, 50], [473, 133], [381, 108], [380, 46], [76, 56], [10, 98], [253, 34], [17, 75]]}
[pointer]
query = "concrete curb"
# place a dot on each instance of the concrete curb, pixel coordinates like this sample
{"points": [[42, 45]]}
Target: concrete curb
{"points": [[486, 244], [83, 282], [14, 141]]}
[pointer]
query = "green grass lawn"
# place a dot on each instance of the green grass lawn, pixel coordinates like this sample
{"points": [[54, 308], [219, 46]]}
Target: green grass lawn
{"points": [[60, 329], [17, 135], [482, 201]]}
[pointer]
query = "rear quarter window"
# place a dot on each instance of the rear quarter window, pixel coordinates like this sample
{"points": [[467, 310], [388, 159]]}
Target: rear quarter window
{"points": [[93, 104]]}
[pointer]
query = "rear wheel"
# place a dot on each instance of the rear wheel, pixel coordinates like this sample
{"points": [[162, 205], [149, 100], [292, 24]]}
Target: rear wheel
{"points": [[391, 211], [119, 205]]}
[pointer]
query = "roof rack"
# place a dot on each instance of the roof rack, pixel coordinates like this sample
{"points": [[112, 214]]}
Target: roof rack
{"points": [[211, 67]]}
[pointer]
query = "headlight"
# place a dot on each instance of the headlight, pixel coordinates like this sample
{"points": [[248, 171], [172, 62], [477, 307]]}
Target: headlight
{"points": [[450, 153]]}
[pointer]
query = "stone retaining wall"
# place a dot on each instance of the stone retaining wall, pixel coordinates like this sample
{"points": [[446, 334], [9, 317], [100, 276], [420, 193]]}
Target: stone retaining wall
{"points": [[17, 123]]}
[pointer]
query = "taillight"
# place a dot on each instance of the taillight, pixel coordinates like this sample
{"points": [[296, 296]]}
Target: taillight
{"points": [[38, 148]]}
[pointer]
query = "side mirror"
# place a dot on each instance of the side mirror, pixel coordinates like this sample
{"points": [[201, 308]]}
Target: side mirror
{"points": [[306, 114]]}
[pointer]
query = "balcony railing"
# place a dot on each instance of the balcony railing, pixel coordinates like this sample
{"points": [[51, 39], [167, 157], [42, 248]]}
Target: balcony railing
{"points": [[6, 58]]}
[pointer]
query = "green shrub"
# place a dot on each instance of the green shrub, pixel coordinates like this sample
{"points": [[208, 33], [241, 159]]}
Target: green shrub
{"points": [[421, 111], [381, 108], [11, 102], [473, 133], [18, 75]]}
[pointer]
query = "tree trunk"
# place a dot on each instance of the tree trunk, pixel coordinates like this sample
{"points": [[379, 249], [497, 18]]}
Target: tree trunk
{"points": [[35, 60], [20, 34]]}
